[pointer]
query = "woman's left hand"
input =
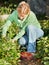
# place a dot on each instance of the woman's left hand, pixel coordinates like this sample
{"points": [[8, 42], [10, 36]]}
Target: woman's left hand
{"points": [[12, 40]]}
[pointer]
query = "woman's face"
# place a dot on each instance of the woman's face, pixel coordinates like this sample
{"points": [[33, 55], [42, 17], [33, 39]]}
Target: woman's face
{"points": [[22, 11], [21, 16]]}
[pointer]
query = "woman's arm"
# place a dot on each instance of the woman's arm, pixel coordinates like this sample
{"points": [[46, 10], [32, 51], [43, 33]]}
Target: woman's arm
{"points": [[5, 28], [10, 19], [19, 35]]}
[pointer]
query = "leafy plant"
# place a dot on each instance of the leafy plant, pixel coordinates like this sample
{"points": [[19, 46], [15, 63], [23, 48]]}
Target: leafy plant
{"points": [[43, 43], [9, 52], [7, 9]]}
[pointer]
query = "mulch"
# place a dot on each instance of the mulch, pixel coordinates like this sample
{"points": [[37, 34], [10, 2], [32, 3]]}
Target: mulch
{"points": [[33, 61], [28, 59]]}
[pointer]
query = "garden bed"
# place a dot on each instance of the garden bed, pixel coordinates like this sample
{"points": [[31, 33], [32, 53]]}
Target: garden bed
{"points": [[31, 62], [9, 51]]}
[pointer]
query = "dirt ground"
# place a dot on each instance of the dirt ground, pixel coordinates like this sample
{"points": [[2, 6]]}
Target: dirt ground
{"points": [[31, 62]]}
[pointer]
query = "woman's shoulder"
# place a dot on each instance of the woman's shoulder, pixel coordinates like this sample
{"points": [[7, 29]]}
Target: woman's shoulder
{"points": [[32, 13], [14, 12]]}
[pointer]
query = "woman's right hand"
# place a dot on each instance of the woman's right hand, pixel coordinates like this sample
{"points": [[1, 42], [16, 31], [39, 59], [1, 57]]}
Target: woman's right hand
{"points": [[3, 36]]}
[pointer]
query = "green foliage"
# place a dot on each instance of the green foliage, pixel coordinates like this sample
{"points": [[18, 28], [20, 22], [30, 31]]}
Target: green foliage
{"points": [[43, 43], [8, 8], [4, 10], [4, 62], [9, 52], [45, 26]]}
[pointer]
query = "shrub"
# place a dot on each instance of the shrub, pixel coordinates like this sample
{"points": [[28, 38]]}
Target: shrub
{"points": [[43, 44], [7, 9], [43, 49], [9, 52]]}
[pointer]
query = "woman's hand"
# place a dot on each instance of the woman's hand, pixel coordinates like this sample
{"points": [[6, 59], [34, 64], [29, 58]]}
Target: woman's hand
{"points": [[3, 36], [13, 40]]}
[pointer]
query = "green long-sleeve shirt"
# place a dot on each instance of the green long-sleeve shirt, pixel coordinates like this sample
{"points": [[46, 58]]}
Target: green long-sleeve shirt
{"points": [[28, 20]]}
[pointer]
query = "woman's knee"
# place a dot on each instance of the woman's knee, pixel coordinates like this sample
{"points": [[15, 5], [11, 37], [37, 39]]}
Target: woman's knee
{"points": [[22, 41], [42, 33], [29, 27]]}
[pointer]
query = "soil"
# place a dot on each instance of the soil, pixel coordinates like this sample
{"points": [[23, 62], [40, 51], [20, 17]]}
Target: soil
{"points": [[30, 62]]}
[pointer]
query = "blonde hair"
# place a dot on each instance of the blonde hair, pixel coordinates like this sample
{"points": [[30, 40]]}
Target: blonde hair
{"points": [[24, 8]]}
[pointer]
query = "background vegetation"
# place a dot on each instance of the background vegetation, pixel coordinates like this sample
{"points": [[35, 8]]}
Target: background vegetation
{"points": [[10, 52]]}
